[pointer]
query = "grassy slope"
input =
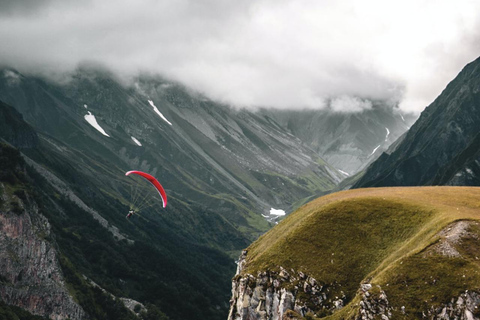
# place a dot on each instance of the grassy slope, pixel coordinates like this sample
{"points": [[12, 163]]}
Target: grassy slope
{"points": [[376, 235]]}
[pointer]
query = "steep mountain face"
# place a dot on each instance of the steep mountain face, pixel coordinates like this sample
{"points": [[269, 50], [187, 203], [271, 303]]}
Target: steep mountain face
{"points": [[236, 161], [442, 147], [348, 141], [386, 253], [14, 130], [34, 276], [29, 268], [30, 273], [68, 251]]}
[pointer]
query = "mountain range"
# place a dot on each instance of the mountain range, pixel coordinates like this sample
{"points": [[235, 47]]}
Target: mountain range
{"points": [[229, 174], [68, 252]]}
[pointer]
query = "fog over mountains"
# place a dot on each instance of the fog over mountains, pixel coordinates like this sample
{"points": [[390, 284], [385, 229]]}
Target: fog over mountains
{"points": [[281, 54], [256, 117]]}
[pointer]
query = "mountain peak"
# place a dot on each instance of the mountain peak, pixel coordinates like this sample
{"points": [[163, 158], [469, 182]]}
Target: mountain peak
{"points": [[440, 148]]}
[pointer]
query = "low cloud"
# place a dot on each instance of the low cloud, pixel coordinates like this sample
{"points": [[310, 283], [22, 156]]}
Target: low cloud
{"points": [[350, 104], [262, 53]]}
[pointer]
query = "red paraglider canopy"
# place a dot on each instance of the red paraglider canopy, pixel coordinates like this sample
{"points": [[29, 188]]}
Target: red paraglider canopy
{"points": [[153, 181]]}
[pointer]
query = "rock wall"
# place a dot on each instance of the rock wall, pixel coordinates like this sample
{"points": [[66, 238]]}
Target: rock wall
{"points": [[292, 295], [270, 295], [373, 306], [464, 307], [376, 306], [30, 274]]}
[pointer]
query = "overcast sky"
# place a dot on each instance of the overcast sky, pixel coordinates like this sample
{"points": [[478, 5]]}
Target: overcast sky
{"points": [[284, 54]]}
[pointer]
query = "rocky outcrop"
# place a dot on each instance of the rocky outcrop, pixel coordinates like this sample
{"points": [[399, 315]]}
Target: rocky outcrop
{"points": [[293, 295], [270, 295], [373, 306], [30, 274], [465, 307]]}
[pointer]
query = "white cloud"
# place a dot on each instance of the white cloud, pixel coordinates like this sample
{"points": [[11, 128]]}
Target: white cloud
{"points": [[256, 52], [349, 104]]}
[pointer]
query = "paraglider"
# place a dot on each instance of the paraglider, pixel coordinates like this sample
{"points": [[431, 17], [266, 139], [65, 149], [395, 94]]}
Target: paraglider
{"points": [[130, 213], [154, 182]]}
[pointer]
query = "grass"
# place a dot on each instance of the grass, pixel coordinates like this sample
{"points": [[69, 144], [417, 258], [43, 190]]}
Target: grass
{"points": [[377, 236]]}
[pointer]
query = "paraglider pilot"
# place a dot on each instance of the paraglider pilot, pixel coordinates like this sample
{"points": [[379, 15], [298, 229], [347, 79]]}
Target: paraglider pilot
{"points": [[130, 213]]}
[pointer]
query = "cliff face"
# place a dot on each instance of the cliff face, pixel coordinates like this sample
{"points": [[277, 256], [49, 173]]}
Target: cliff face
{"points": [[294, 295], [272, 295], [374, 306], [31, 277]]}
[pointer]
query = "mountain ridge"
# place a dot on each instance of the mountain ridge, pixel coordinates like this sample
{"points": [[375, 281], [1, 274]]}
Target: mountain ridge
{"points": [[442, 140], [319, 260]]}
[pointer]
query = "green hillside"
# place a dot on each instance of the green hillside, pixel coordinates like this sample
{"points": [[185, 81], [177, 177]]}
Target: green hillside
{"points": [[388, 237]]}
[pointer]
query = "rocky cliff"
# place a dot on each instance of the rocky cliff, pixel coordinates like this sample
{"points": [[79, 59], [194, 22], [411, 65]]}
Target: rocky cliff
{"points": [[31, 277], [271, 295], [266, 297]]}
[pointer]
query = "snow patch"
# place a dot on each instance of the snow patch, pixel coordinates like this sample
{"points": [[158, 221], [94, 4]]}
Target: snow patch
{"points": [[469, 171], [388, 133], [136, 141], [345, 173], [374, 150], [158, 112], [402, 117], [93, 122], [277, 212], [85, 106]]}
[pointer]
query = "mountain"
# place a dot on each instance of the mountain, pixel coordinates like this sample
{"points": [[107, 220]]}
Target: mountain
{"points": [[348, 140], [238, 162], [386, 253], [442, 147], [223, 169], [68, 251]]}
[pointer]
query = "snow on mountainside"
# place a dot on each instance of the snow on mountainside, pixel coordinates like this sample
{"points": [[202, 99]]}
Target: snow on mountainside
{"points": [[236, 161], [136, 141], [158, 112], [63, 214], [90, 118]]}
